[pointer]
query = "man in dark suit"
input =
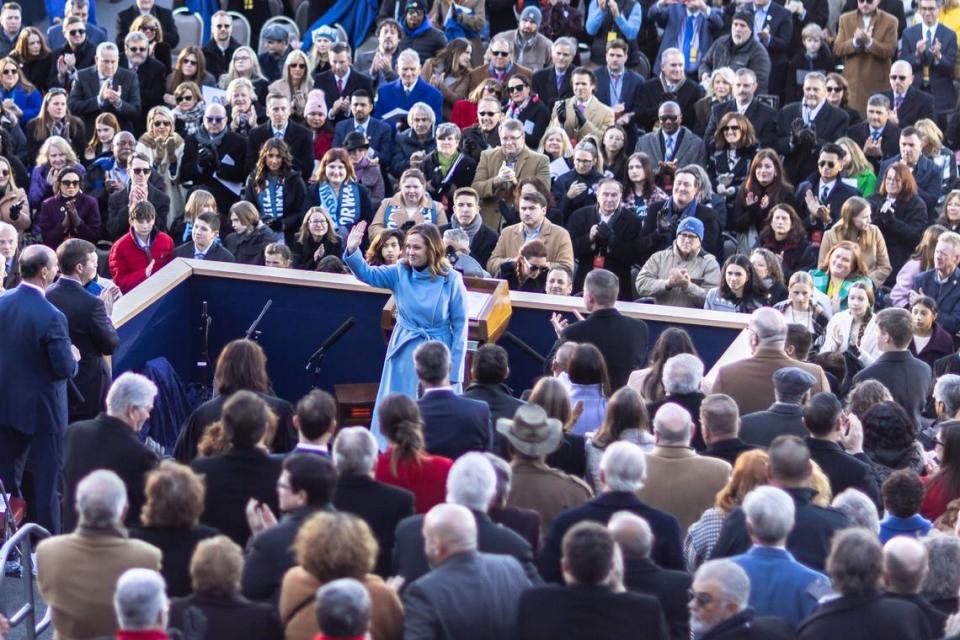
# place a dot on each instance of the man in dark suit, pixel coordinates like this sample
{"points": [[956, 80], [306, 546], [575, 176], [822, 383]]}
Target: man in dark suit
{"points": [[221, 46], [617, 86], [908, 378], [942, 283], [762, 116], [472, 484], [489, 373], [339, 83], [909, 102], [720, 424], [151, 75], [666, 218], [588, 606], [110, 441], [10, 255], [466, 216], [806, 125], [381, 505], [553, 83], [822, 195], [214, 152], [673, 85], [789, 469], [928, 175], [140, 187], [931, 49], [621, 340], [622, 472], [773, 27], [105, 88], [878, 136], [642, 575], [306, 487], [452, 424], [165, 16], [91, 331], [785, 415], [674, 19], [378, 132], [605, 236], [203, 244], [37, 361], [836, 444], [297, 136], [468, 594]]}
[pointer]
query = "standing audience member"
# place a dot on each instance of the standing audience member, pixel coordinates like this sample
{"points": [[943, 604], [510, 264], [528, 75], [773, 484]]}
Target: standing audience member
{"points": [[343, 609], [905, 566], [720, 424], [902, 497], [141, 605]]}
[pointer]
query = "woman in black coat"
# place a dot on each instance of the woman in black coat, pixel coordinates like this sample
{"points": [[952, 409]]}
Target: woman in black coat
{"points": [[277, 189], [416, 143], [250, 236], [899, 213], [316, 239], [577, 189], [730, 154], [445, 168]]}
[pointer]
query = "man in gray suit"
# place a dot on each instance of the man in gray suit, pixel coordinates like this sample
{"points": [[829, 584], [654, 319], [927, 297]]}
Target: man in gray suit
{"points": [[105, 88], [674, 145], [468, 595]]}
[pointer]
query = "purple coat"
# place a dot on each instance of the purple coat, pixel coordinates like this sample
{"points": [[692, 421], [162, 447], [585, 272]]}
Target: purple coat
{"points": [[52, 213]]}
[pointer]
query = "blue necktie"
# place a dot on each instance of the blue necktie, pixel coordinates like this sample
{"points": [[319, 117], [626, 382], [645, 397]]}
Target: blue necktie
{"points": [[688, 37], [668, 143]]}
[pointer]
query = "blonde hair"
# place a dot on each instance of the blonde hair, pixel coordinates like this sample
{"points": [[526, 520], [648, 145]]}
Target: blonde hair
{"points": [[858, 162], [198, 200], [567, 145], [61, 145], [932, 135]]}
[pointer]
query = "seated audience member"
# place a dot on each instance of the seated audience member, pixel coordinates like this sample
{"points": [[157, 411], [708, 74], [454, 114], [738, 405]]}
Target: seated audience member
{"points": [[682, 381], [528, 270], [277, 255], [205, 244], [859, 509], [720, 424], [922, 257], [902, 493], [472, 484], [330, 546], [750, 471], [533, 224], [216, 602], [305, 487], [110, 441], [840, 269], [642, 575], [141, 605], [679, 481], [854, 327], [939, 282], [405, 463], [142, 251], [250, 236], [930, 340], [242, 365], [681, 275], [855, 569], [243, 472], [943, 486], [452, 424], [526, 522], [591, 603], [78, 572], [343, 609], [661, 225], [170, 521], [908, 379], [809, 541], [905, 565], [740, 289], [779, 585], [380, 505], [719, 606], [531, 437], [465, 215], [622, 473], [835, 441], [317, 238], [627, 419], [806, 306]]}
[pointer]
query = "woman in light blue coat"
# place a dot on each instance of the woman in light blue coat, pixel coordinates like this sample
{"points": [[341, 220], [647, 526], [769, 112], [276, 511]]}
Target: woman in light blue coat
{"points": [[431, 305]]}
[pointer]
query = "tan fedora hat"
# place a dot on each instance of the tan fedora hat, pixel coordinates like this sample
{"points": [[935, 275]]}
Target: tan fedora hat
{"points": [[531, 432]]}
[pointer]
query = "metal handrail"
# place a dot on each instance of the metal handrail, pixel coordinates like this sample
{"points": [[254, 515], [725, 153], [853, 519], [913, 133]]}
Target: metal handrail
{"points": [[21, 541]]}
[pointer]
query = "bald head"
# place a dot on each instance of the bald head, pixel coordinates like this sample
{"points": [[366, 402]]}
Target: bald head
{"points": [[901, 77], [448, 529], [632, 533], [673, 425], [38, 265], [905, 565]]}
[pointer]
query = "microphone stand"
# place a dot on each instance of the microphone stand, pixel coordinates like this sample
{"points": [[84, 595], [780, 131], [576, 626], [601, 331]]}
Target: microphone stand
{"points": [[315, 361], [252, 332], [204, 363]]}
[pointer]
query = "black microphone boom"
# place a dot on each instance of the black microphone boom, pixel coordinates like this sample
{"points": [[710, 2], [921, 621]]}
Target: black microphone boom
{"points": [[336, 335], [252, 331]]}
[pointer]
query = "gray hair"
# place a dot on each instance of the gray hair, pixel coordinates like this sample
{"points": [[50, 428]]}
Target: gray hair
{"points": [[568, 41], [624, 467], [505, 40], [682, 373], [354, 451], [458, 238], [816, 76], [943, 580], [130, 390], [879, 100], [732, 579], [701, 180], [446, 130], [770, 514], [504, 478], [472, 482], [670, 52], [141, 600], [745, 72], [6, 227], [859, 509], [673, 424], [947, 391], [425, 108], [770, 326], [905, 564], [632, 533], [854, 563], [124, 135], [343, 608], [603, 286], [101, 500], [135, 36], [107, 46], [408, 54]]}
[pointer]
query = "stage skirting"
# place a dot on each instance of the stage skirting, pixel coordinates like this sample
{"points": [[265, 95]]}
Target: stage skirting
{"points": [[162, 317]]}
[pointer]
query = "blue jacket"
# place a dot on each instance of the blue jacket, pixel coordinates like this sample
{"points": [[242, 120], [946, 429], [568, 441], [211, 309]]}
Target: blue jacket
{"points": [[391, 96], [941, 72], [946, 294], [671, 18], [379, 135], [780, 586], [29, 103], [916, 526]]}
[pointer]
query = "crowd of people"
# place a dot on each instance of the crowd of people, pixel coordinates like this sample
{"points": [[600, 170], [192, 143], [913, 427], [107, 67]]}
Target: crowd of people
{"points": [[792, 162]]}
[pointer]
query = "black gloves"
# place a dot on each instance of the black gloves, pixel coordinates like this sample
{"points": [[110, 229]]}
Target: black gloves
{"points": [[562, 112]]}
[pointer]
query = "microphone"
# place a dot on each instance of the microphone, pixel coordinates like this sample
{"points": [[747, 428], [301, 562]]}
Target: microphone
{"points": [[252, 331], [336, 335]]}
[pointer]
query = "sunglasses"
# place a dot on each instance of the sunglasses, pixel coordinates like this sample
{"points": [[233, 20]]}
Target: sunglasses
{"points": [[193, 62], [137, 49], [536, 268], [10, 72], [732, 127], [487, 114], [214, 119], [70, 183], [161, 123], [668, 118], [517, 88], [834, 90], [140, 171], [184, 98], [897, 77], [77, 32], [298, 65], [827, 163], [224, 26], [148, 28], [702, 599], [500, 54]]}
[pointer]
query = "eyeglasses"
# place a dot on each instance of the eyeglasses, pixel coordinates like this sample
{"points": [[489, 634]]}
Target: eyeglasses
{"points": [[161, 123], [184, 98], [77, 32], [537, 268], [137, 49], [500, 54], [834, 90], [897, 77], [517, 88], [70, 183], [732, 127], [10, 72], [140, 171], [148, 28], [827, 163], [689, 237], [702, 599], [583, 160], [241, 58], [487, 114], [298, 65], [214, 119], [188, 61], [667, 118]]}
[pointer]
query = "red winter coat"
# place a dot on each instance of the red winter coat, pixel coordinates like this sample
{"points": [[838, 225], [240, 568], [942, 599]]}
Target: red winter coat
{"points": [[128, 262]]}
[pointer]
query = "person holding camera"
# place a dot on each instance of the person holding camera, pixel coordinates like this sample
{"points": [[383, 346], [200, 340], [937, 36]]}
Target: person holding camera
{"points": [[213, 152], [806, 125], [456, 244], [14, 207]]}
